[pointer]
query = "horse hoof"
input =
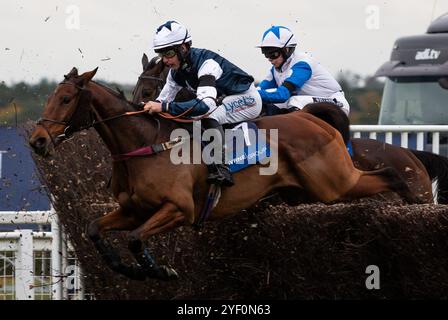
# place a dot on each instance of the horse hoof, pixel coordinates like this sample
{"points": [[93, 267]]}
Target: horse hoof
{"points": [[168, 273]]}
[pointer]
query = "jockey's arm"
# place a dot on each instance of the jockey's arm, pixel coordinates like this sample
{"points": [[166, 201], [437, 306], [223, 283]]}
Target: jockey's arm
{"points": [[268, 82], [169, 90], [301, 73], [206, 92]]}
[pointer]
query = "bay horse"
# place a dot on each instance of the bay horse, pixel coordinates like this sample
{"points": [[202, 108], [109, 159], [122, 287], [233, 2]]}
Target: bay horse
{"points": [[154, 195], [368, 154]]}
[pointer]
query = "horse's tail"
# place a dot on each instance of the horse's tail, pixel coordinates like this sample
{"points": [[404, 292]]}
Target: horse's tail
{"points": [[437, 167], [331, 114]]}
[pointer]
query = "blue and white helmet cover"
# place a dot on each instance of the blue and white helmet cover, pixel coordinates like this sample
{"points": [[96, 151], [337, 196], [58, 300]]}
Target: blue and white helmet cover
{"points": [[279, 37]]}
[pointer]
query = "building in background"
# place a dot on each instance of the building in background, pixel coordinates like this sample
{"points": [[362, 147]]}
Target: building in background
{"points": [[36, 261]]}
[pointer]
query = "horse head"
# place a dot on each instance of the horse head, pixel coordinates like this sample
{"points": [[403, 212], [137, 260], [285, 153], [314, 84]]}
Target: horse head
{"points": [[66, 111], [151, 81]]}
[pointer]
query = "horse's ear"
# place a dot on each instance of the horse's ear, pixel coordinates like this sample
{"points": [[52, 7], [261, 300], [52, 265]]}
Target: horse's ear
{"points": [[86, 77], [154, 61], [144, 61], [72, 73]]}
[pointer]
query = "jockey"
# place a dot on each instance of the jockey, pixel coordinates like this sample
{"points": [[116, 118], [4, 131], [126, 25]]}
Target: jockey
{"points": [[295, 79], [210, 76]]}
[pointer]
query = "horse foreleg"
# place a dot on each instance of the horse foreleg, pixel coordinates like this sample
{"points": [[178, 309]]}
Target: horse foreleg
{"points": [[167, 218], [115, 220]]}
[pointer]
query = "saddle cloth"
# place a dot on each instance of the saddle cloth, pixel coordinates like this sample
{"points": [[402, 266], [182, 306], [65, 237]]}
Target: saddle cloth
{"points": [[245, 145]]}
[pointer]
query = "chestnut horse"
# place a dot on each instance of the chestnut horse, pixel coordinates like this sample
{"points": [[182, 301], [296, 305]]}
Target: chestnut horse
{"points": [[155, 195], [372, 154], [367, 154]]}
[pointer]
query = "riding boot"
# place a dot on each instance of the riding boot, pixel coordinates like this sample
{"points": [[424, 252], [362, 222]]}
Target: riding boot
{"points": [[219, 173], [270, 109]]}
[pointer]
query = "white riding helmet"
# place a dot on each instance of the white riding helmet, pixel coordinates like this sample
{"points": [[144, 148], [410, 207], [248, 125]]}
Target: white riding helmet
{"points": [[278, 37], [169, 34]]}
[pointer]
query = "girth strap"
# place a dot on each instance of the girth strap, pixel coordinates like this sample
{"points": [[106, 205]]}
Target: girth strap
{"points": [[147, 151]]}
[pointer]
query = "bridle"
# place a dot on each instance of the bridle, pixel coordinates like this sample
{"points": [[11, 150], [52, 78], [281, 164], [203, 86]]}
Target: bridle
{"points": [[68, 124], [160, 82], [70, 129]]}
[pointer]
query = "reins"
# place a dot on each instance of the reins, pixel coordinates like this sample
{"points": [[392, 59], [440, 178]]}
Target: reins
{"points": [[136, 153], [189, 110]]}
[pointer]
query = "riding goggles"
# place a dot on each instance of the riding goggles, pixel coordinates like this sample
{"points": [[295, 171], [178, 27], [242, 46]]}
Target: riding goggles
{"points": [[271, 55], [167, 54]]}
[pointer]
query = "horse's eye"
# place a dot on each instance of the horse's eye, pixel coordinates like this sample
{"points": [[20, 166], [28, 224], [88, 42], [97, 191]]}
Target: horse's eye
{"points": [[65, 99], [146, 93]]}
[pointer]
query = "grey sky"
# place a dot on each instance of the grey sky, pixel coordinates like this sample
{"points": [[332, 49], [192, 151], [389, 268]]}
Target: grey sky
{"points": [[35, 41]]}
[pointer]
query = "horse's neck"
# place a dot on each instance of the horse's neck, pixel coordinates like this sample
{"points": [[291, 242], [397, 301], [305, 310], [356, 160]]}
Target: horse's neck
{"points": [[124, 134]]}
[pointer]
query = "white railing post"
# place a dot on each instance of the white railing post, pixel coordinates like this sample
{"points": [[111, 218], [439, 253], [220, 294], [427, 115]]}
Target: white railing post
{"points": [[404, 139], [64, 265], [81, 284], [56, 265], [420, 140], [389, 137], [436, 142], [25, 266]]}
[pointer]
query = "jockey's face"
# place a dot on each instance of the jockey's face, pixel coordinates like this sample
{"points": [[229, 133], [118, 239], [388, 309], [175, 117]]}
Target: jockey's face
{"points": [[276, 62], [274, 55], [170, 57], [172, 62]]}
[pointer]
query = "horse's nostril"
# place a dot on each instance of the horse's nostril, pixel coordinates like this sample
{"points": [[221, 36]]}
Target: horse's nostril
{"points": [[38, 143]]}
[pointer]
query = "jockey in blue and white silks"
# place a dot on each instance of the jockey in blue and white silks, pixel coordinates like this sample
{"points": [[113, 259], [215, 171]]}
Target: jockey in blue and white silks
{"points": [[210, 76], [295, 78]]}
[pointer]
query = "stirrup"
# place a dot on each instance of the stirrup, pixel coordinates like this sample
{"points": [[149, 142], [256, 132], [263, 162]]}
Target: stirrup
{"points": [[221, 176]]}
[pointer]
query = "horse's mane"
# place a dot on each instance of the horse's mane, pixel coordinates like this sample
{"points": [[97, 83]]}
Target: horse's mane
{"points": [[331, 114], [118, 94]]}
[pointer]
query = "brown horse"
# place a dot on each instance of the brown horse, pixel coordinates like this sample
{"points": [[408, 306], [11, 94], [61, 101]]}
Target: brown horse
{"points": [[367, 154], [372, 154], [154, 195]]}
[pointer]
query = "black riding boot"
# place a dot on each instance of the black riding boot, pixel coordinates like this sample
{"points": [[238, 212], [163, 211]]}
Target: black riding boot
{"points": [[219, 173], [270, 109]]}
